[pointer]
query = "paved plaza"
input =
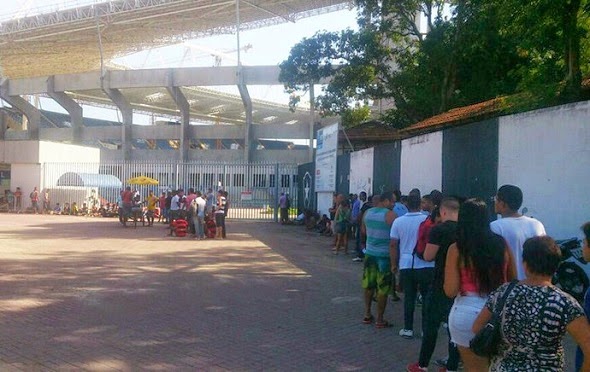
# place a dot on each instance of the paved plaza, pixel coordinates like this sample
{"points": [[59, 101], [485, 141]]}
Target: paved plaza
{"points": [[83, 293]]}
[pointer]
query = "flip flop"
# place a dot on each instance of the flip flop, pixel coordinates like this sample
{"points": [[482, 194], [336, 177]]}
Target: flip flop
{"points": [[384, 324], [368, 320]]}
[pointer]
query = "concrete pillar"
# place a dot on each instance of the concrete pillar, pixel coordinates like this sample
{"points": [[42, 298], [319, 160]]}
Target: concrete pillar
{"points": [[3, 125], [124, 106], [33, 115], [184, 107], [73, 109], [247, 101]]}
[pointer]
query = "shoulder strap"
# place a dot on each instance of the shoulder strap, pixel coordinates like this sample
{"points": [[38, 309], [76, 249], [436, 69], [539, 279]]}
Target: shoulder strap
{"points": [[500, 304]]}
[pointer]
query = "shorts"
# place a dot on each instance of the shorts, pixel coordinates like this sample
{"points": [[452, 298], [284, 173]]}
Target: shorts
{"points": [[340, 227], [377, 274], [463, 313], [219, 219]]}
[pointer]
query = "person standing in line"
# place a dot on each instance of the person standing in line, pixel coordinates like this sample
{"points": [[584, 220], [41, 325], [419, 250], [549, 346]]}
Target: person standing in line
{"points": [[398, 207], [210, 202], [342, 221], [168, 204], [189, 217], [437, 304], [46, 202], [198, 212], [415, 273], [18, 200], [162, 205], [357, 204], [377, 272], [580, 356], [34, 196], [513, 226], [175, 208], [477, 264], [219, 215], [536, 315], [225, 211], [283, 210], [152, 200], [360, 254]]}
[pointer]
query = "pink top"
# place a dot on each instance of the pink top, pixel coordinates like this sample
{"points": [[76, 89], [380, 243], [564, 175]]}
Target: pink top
{"points": [[469, 283]]}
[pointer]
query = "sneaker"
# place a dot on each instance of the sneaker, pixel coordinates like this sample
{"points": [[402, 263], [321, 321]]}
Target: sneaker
{"points": [[357, 259], [441, 362], [416, 368], [406, 333]]}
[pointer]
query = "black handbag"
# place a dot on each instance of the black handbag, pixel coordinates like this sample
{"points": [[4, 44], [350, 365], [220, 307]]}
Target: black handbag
{"points": [[487, 340]]}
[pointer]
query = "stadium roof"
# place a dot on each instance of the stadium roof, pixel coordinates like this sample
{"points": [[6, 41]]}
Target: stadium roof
{"points": [[67, 41]]}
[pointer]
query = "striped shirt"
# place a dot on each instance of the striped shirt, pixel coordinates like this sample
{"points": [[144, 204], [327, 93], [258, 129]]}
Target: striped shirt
{"points": [[377, 232]]}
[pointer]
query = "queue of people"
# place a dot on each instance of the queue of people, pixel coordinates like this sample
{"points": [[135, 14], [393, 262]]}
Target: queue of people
{"points": [[446, 250]]}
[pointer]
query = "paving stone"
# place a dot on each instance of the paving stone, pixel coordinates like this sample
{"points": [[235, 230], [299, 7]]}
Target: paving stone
{"points": [[87, 294]]}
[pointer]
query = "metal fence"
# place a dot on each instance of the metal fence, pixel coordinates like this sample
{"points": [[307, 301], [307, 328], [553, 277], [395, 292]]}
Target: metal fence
{"points": [[254, 189]]}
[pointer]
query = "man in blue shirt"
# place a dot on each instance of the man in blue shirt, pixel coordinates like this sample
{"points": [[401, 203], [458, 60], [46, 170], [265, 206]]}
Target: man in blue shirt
{"points": [[398, 207]]}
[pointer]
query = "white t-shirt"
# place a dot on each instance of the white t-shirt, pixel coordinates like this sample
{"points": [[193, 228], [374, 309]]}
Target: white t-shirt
{"points": [[174, 203], [200, 206], [405, 230], [516, 230]]}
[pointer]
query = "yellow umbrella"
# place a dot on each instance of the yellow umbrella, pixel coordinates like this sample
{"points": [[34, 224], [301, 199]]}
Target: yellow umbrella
{"points": [[142, 180]]}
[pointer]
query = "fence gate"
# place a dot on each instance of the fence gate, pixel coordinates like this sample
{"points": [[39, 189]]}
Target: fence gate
{"points": [[254, 189]]}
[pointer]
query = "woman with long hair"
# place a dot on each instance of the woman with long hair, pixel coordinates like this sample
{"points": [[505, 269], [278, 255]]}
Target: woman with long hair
{"points": [[477, 264]]}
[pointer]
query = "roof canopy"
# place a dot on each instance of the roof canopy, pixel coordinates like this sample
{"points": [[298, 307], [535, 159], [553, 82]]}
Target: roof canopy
{"points": [[66, 41], [89, 180]]}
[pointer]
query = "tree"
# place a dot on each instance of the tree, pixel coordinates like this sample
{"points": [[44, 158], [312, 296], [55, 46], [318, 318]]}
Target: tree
{"points": [[480, 50]]}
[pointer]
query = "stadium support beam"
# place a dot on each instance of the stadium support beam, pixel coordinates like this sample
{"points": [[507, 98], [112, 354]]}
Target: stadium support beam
{"points": [[31, 112], [247, 101], [124, 106], [71, 106], [184, 107]]}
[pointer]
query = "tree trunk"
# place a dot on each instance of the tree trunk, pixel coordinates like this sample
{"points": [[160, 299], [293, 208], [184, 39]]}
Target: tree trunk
{"points": [[571, 32]]}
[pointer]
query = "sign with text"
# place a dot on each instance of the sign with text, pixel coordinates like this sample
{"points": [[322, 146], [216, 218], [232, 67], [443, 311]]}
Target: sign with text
{"points": [[325, 159]]}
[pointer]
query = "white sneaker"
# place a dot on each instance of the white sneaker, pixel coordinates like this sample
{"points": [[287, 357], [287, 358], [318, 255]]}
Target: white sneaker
{"points": [[406, 333]]}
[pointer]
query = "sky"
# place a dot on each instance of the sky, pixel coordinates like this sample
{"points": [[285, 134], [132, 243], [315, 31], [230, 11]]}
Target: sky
{"points": [[267, 46]]}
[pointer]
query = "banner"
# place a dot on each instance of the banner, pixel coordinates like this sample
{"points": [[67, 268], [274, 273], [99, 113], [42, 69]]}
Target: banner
{"points": [[325, 159]]}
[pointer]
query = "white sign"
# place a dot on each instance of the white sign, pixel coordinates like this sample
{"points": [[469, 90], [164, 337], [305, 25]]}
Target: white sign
{"points": [[325, 159], [361, 171], [246, 195]]}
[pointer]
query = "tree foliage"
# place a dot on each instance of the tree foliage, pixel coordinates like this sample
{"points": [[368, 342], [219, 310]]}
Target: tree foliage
{"points": [[468, 52]]}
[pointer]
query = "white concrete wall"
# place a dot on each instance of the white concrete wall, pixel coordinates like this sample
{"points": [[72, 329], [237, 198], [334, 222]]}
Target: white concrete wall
{"points": [[19, 152], [50, 152], [324, 200], [421, 163], [361, 171], [25, 176], [547, 154]]}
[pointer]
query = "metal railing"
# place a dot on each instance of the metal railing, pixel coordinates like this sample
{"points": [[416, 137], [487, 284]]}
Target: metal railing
{"points": [[253, 189]]}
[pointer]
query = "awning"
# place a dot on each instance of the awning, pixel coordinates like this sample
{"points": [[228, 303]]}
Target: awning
{"points": [[89, 180]]}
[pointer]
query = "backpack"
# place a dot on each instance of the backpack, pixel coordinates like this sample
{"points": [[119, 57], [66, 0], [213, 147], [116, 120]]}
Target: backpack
{"points": [[423, 233]]}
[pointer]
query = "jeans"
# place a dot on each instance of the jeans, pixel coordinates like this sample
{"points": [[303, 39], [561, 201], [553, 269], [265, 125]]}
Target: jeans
{"points": [[413, 280], [199, 223], [436, 310]]}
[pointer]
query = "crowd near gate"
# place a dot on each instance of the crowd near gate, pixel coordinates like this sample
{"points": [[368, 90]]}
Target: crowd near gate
{"points": [[254, 189]]}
